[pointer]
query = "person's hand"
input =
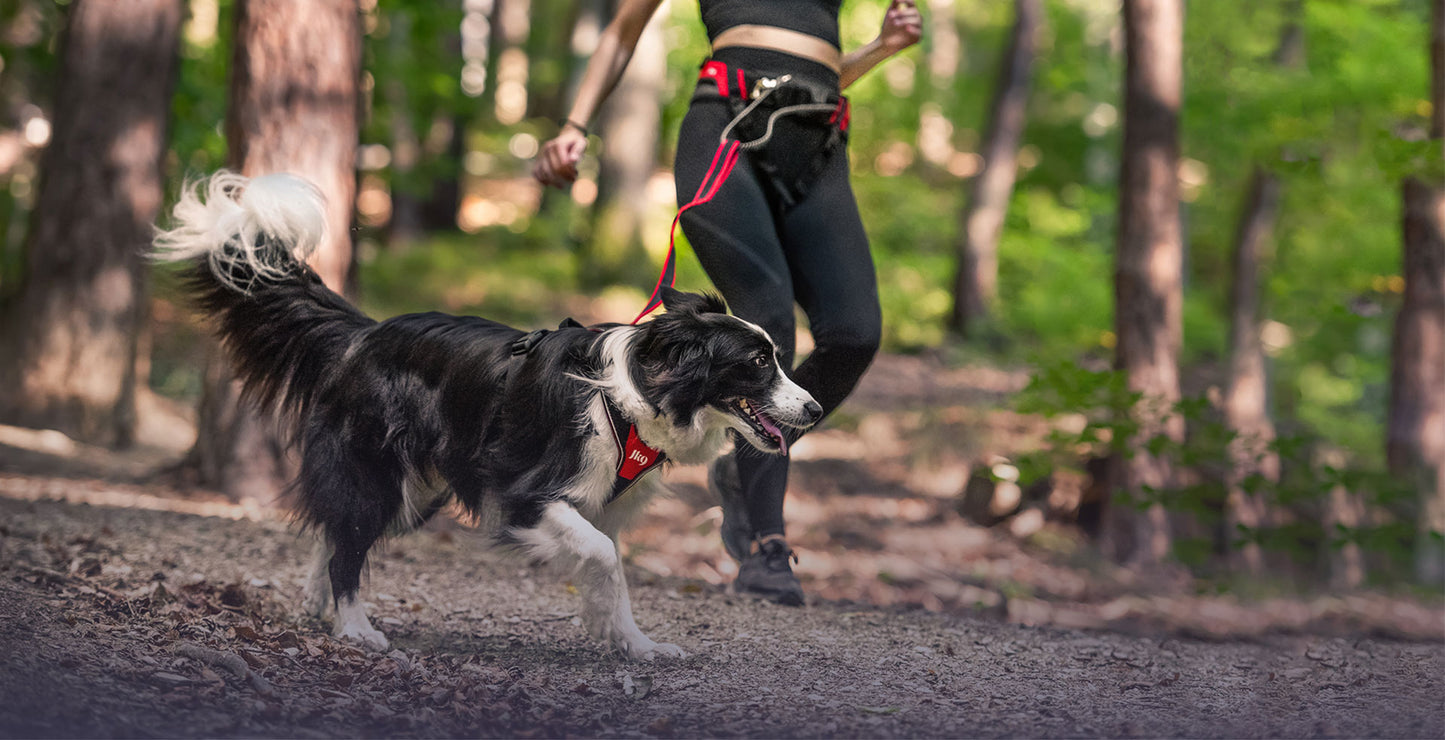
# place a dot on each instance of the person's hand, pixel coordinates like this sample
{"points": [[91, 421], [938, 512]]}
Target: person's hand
{"points": [[902, 26], [556, 164]]}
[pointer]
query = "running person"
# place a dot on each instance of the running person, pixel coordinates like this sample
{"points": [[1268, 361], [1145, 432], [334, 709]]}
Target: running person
{"points": [[782, 228]]}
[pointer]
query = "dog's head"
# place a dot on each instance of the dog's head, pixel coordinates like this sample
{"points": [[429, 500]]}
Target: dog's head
{"points": [[701, 367]]}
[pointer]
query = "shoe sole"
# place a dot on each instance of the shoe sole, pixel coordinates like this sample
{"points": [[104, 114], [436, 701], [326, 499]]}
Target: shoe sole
{"points": [[789, 598]]}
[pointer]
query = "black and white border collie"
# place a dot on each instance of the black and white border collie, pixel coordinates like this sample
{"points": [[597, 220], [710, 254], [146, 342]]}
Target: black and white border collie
{"points": [[539, 435]]}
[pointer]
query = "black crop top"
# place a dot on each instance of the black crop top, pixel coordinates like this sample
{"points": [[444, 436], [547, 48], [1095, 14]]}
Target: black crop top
{"points": [[814, 17]]}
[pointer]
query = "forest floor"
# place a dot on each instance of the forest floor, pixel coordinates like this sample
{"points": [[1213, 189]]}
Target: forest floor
{"points": [[132, 607]]}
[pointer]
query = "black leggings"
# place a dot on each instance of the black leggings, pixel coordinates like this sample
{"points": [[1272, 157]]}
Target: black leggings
{"points": [[764, 256]]}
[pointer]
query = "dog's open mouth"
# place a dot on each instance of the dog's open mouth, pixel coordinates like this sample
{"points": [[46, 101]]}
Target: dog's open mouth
{"points": [[762, 424]]}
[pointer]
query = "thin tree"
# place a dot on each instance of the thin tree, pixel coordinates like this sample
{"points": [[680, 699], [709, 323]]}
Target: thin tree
{"points": [[1148, 282], [1415, 443], [71, 332], [982, 220], [294, 107], [1415, 429], [1246, 392], [427, 126]]}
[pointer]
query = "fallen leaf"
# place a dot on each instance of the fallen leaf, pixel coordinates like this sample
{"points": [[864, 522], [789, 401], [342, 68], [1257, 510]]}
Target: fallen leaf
{"points": [[880, 710]]}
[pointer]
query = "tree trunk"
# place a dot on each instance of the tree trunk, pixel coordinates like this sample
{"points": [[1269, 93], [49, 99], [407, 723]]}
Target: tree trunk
{"points": [[427, 130], [983, 218], [405, 224], [1415, 441], [1343, 509], [294, 108], [1149, 263], [1246, 395], [295, 104], [444, 200], [1290, 53], [553, 57], [72, 329], [1437, 69], [629, 125], [945, 48]]}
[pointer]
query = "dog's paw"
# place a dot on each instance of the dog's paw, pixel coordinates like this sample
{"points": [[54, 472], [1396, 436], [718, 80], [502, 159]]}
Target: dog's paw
{"points": [[666, 650], [317, 601], [364, 635], [646, 649]]}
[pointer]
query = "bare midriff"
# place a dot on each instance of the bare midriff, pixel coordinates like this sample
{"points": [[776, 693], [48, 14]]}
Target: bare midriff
{"points": [[783, 40]]}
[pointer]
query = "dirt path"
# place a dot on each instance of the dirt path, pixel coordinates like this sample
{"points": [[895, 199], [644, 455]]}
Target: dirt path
{"points": [[124, 622]]}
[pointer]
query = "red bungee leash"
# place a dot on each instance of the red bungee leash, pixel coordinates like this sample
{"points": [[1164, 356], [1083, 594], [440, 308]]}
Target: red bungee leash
{"points": [[727, 152]]}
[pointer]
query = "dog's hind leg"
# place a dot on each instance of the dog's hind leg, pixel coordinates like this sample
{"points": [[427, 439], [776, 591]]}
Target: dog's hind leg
{"points": [[316, 599], [350, 545], [563, 535], [350, 493]]}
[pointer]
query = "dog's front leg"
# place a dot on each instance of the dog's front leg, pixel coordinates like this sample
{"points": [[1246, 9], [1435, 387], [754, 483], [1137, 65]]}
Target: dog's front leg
{"points": [[564, 534]]}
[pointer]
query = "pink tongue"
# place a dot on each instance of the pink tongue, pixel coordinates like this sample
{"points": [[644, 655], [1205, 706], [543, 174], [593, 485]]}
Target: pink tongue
{"points": [[775, 431]]}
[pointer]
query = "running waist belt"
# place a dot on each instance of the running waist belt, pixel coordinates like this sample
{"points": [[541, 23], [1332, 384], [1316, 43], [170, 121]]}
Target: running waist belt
{"points": [[789, 127]]}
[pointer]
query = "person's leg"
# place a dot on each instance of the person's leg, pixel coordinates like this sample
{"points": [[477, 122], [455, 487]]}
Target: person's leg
{"points": [[735, 239], [833, 279], [835, 282]]}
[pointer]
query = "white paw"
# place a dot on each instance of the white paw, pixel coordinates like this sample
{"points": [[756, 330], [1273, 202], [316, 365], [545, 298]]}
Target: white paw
{"points": [[646, 649], [317, 600], [364, 635], [666, 650]]}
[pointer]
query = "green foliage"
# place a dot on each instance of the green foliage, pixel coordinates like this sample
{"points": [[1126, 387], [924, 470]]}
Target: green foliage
{"points": [[29, 38], [198, 106], [1093, 414], [486, 274], [413, 62]]}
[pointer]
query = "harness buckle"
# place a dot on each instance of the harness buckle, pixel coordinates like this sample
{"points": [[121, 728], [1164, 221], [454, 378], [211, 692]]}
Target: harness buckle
{"points": [[767, 84]]}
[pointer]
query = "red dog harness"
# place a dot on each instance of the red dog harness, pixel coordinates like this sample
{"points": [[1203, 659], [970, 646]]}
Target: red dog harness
{"points": [[634, 458], [637, 459]]}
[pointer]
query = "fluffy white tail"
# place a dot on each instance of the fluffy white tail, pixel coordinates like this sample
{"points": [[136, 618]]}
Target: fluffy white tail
{"points": [[249, 229]]}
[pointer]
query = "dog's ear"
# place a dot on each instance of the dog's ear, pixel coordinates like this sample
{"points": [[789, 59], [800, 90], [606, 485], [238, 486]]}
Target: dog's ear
{"points": [[676, 301]]}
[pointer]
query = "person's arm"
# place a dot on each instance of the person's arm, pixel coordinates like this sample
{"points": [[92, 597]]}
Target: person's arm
{"points": [[902, 27], [556, 164]]}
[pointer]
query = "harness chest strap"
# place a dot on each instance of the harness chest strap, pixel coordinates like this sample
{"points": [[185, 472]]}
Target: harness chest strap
{"points": [[635, 458]]}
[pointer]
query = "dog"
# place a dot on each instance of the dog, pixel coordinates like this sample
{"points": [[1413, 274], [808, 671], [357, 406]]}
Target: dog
{"points": [[544, 438]]}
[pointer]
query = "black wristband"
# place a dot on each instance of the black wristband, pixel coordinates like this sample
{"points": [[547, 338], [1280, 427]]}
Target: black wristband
{"points": [[565, 122]]}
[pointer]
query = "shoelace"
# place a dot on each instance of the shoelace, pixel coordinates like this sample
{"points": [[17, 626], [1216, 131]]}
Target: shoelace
{"points": [[774, 547]]}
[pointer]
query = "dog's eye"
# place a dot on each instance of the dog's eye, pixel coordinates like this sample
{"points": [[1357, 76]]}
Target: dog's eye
{"points": [[760, 360]]}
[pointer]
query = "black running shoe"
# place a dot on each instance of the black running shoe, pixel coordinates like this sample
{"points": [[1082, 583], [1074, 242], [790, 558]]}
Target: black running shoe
{"points": [[723, 481], [767, 572]]}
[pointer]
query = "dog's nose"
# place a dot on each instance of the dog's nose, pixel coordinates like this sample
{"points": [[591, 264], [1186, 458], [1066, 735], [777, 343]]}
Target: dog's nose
{"points": [[813, 411]]}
